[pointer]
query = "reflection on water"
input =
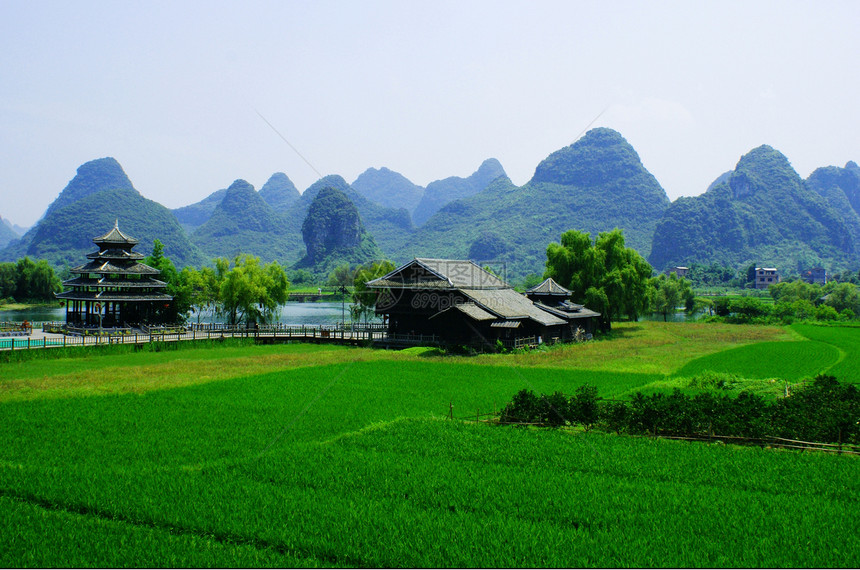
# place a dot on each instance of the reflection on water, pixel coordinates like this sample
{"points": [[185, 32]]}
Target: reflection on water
{"points": [[34, 315], [293, 313]]}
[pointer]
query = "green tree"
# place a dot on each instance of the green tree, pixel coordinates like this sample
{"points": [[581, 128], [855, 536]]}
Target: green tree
{"points": [[749, 272], [34, 281], [609, 277], [364, 299], [177, 310], [342, 276], [201, 288], [844, 296], [670, 292], [250, 292], [584, 408], [8, 280], [791, 291]]}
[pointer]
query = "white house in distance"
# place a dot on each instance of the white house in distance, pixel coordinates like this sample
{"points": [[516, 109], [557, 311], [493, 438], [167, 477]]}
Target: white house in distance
{"points": [[678, 270], [765, 277]]}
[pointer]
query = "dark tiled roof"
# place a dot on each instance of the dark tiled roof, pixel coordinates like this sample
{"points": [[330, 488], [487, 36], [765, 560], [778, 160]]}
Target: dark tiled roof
{"points": [[549, 287], [568, 311], [471, 310], [425, 273], [105, 282], [115, 253], [115, 236], [508, 304], [108, 268]]}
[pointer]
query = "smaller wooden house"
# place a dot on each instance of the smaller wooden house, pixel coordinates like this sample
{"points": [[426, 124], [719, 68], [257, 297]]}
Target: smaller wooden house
{"points": [[461, 303], [555, 299]]}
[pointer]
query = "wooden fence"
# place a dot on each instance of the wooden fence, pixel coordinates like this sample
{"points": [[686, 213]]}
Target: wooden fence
{"points": [[354, 334]]}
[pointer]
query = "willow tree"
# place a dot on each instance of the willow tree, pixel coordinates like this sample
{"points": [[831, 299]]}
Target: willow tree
{"points": [[250, 292], [604, 275], [363, 298]]}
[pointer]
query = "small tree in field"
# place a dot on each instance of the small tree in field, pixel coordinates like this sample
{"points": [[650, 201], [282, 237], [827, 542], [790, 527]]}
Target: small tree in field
{"points": [[583, 407]]}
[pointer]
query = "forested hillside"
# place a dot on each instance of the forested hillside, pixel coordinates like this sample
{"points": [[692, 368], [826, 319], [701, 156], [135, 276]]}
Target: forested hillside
{"points": [[279, 192], [761, 213], [99, 195], [334, 234], [6, 234], [596, 184], [442, 192], [244, 223], [195, 215]]}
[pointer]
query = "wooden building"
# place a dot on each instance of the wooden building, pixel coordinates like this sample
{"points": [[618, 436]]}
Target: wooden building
{"points": [[462, 303], [114, 289]]}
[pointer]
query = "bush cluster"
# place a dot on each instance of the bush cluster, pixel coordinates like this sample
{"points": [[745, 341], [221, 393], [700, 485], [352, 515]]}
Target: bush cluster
{"points": [[28, 280], [823, 410], [793, 301]]}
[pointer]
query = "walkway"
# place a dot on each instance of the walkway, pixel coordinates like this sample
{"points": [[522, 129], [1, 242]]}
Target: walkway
{"points": [[359, 335]]}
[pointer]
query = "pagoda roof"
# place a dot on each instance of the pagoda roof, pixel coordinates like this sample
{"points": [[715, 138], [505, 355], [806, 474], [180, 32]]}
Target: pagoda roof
{"points": [[115, 253], [106, 267], [106, 282], [116, 236], [549, 287], [111, 296]]}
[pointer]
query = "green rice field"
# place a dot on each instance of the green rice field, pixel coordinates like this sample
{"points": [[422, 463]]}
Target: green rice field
{"points": [[316, 455]]}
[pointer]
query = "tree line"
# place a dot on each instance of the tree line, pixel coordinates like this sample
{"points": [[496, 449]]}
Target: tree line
{"points": [[239, 290], [28, 281], [824, 410]]}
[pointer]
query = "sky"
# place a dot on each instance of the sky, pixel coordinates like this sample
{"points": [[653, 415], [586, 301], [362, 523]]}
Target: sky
{"points": [[190, 95]]}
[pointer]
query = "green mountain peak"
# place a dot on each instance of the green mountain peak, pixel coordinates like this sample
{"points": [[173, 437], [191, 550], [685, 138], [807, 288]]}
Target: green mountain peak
{"points": [[279, 192], [334, 233]]}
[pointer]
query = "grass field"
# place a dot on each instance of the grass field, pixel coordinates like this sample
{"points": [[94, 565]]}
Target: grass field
{"points": [[315, 455]]}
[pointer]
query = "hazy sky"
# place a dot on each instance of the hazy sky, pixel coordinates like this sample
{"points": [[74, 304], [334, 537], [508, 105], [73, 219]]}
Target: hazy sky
{"points": [[172, 90]]}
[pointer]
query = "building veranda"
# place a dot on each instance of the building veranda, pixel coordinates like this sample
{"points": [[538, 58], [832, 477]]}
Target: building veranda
{"points": [[114, 289], [463, 304]]}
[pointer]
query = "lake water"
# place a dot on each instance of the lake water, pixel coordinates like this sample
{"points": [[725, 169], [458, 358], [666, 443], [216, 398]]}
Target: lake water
{"points": [[293, 313]]}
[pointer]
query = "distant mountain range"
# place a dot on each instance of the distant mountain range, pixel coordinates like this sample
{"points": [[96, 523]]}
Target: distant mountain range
{"points": [[762, 211], [596, 184]]}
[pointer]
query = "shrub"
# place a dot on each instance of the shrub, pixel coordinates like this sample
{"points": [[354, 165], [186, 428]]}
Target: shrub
{"points": [[523, 408], [823, 411], [826, 313], [614, 416], [583, 407], [554, 409]]}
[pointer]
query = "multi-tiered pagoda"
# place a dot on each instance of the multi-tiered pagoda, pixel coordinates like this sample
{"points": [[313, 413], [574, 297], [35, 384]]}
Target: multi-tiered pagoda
{"points": [[114, 289]]}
